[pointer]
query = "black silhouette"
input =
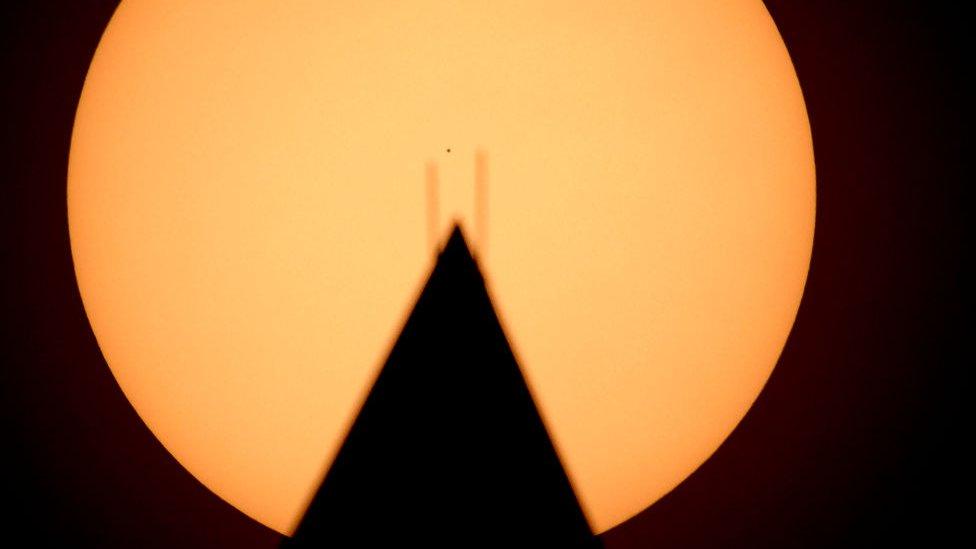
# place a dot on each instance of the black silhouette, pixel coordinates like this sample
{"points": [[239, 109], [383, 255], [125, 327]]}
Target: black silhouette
{"points": [[449, 449]]}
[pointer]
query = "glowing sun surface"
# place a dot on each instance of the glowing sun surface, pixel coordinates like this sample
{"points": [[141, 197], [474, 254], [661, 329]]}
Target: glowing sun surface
{"points": [[247, 213]]}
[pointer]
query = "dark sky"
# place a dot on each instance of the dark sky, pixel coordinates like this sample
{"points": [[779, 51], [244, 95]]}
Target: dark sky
{"points": [[854, 439]]}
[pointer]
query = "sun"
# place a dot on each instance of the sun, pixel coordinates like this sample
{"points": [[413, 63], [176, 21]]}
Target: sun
{"points": [[247, 218]]}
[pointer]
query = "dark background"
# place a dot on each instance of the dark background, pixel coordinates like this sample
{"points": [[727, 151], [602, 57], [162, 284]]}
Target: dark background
{"points": [[855, 439]]}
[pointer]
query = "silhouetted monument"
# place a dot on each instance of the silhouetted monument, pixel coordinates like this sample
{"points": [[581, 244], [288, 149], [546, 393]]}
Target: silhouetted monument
{"points": [[448, 449]]}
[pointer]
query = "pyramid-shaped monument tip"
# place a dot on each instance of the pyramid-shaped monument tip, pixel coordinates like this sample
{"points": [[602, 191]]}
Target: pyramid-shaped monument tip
{"points": [[457, 237]]}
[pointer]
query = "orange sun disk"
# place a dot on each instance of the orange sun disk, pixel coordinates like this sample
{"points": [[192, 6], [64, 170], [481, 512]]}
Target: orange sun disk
{"points": [[247, 215]]}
